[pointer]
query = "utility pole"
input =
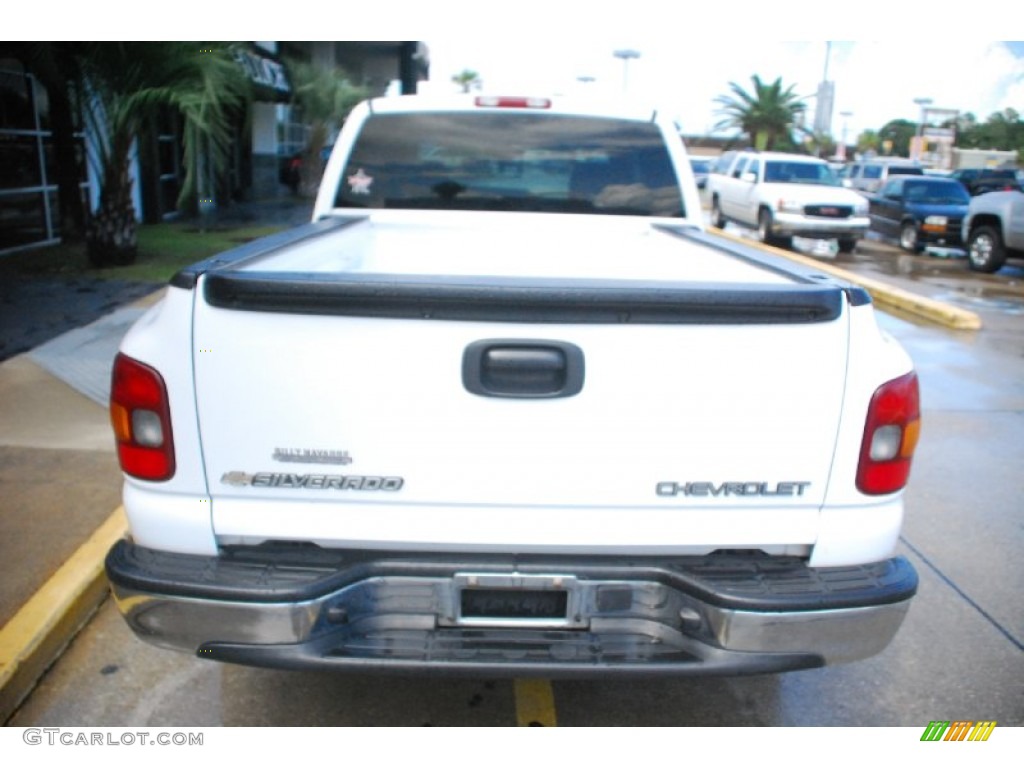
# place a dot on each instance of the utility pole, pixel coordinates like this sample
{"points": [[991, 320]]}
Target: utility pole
{"points": [[826, 95], [923, 103], [842, 146]]}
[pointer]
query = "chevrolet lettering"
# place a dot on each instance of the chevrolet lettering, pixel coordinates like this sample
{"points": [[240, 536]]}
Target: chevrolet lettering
{"points": [[790, 488], [515, 302]]}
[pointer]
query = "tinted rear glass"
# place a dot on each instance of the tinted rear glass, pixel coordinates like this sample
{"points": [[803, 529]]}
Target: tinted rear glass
{"points": [[936, 192], [794, 172], [511, 162], [999, 173], [723, 163], [905, 170]]}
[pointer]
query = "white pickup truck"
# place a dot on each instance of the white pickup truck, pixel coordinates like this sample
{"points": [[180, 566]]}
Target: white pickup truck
{"points": [[786, 195], [504, 408]]}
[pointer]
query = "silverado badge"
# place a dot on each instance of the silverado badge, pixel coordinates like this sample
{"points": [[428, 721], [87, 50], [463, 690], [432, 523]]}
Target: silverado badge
{"points": [[291, 480]]}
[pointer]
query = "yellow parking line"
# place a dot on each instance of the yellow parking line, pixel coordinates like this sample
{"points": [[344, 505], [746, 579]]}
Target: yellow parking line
{"points": [[535, 703], [884, 295], [38, 632]]}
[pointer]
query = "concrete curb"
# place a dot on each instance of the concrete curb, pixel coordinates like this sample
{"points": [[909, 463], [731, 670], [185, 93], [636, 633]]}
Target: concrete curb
{"points": [[885, 296], [38, 633]]}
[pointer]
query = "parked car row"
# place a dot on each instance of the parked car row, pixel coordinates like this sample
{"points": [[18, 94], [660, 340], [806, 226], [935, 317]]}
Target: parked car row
{"points": [[920, 211], [871, 175], [934, 210], [978, 181], [786, 195], [919, 207]]}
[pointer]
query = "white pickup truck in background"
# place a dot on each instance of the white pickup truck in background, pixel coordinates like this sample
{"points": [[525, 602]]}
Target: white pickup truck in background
{"points": [[505, 408], [785, 196]]}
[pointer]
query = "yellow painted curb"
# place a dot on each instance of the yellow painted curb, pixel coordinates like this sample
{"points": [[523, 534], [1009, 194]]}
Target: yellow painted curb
{"points": [[37, 634], [884, 295]]}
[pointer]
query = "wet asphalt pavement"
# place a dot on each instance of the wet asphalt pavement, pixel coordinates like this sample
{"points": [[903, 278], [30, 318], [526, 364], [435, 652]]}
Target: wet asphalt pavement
{"points": [[36, 309]]}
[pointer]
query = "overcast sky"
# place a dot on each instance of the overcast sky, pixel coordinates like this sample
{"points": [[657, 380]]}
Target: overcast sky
{"points": [[875, 81], [689, 51]]}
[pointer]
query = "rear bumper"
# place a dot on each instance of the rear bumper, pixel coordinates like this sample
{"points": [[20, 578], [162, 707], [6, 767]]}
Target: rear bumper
{"points": [[949, 238], [407, 613]]}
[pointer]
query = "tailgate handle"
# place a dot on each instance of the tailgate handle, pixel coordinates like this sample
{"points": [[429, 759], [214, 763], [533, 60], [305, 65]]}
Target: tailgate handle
{"points": [[522, 368]]}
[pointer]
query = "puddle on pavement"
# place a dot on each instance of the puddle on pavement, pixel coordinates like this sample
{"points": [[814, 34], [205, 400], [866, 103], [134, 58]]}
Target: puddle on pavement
{"points": [[985, 300]]}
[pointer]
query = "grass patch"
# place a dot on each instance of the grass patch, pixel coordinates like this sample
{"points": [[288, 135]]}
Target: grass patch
{"points": [[163, 250]]}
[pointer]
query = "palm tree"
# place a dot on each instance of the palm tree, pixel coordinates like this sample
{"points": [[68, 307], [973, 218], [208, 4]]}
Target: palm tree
{"points": [[767, 116], [468, 80], [123, 84], [324, 96]]}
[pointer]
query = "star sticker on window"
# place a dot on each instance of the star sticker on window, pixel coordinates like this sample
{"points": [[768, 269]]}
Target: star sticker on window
{"points": [[360, 182]]}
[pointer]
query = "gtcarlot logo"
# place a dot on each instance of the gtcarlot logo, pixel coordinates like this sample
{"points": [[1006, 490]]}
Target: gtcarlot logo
{"points": [[958, 730], [74, 737]]}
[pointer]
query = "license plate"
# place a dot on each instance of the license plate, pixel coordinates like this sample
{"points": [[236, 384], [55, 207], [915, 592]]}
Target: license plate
{"points": [[514, 603], [515, 600]]}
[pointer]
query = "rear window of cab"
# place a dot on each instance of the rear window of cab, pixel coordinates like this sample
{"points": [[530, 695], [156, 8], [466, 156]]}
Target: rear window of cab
{"points": [[511, 162]]}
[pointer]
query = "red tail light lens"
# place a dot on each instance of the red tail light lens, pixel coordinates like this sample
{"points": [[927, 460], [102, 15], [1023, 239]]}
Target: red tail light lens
{"points": [[141, 418], [890, 437]]}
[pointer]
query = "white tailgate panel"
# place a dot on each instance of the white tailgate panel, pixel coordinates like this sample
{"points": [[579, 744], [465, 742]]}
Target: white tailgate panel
{"points": [[678, 404]]}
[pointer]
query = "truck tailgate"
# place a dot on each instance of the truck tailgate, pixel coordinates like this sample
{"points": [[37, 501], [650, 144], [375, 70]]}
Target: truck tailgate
{"points": [[503, 414]]}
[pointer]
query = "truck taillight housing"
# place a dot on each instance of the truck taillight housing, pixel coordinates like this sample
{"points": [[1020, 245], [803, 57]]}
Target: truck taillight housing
{"points": [[141, 418], [890, 437]]}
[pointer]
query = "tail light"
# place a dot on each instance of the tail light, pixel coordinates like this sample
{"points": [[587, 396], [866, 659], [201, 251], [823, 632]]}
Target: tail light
{"points": [[890, 436], [141, 418]]}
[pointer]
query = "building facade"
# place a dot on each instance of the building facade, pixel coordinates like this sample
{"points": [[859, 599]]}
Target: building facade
{"points": [[269, 132]]}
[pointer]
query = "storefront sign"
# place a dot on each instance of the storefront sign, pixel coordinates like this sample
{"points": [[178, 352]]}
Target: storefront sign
{"points": [[266, 73]]}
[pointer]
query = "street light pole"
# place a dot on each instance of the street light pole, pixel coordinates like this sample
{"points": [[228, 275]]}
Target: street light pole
{"points": [[923, 103], [842, 147], [626, 54]]}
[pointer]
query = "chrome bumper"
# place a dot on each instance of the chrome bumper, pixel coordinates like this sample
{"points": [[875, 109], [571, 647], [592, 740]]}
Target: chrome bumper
{"points": [[800, 225], [407, 613]]}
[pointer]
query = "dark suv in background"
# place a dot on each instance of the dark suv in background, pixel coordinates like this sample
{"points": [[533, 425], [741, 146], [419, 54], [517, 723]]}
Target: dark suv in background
{"points": [[978, 181], [920, 211]]}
